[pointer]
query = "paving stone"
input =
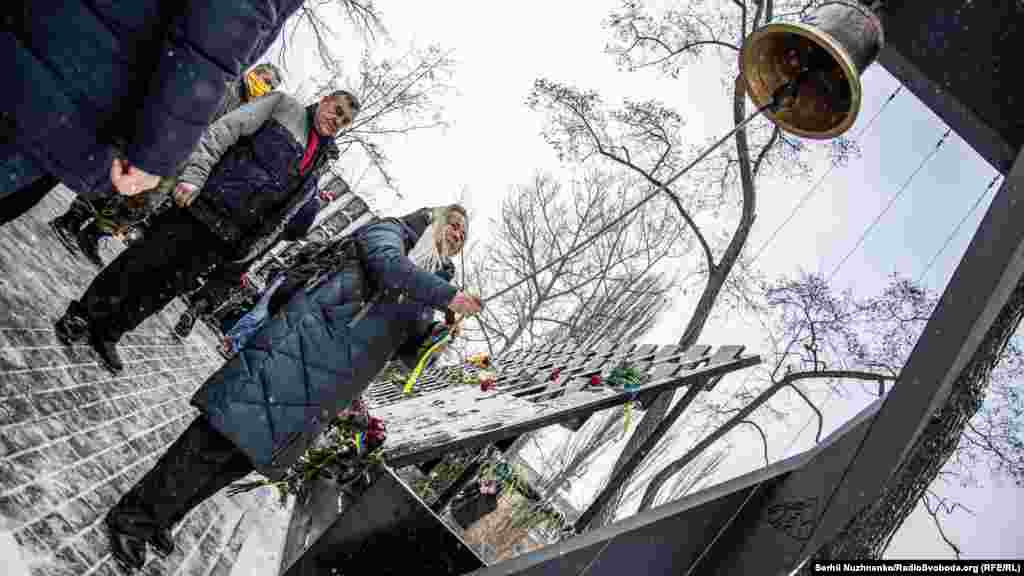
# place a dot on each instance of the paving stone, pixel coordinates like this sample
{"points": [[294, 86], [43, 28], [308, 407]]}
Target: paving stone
{"points": [[16, 409], [12, 359], [54, 402], [67, 558], [20, 438], [51, 568], [93, 544], [31, 545], [103, 497], [89, 394], [223, 567], [61, 454], [24, 504], [86, 445], [33, 463], [52, 530], [79, 514], [52, 428], [44, 358]]}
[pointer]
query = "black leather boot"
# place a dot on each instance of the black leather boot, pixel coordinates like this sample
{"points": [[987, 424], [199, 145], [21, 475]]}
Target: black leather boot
{"points": [[67, 225], [188, 318], [106, 349], [127, 545], [88, 240], [73, 326], [162, 543]]}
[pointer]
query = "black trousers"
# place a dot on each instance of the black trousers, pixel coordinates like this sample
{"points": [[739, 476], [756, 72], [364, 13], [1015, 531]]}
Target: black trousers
{"points": [[22, 200], [220, 283], [147, 275], [196, 466]]}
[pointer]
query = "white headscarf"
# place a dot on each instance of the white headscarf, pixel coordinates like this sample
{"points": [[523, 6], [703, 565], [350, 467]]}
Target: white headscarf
{"points": [[425, 254]]}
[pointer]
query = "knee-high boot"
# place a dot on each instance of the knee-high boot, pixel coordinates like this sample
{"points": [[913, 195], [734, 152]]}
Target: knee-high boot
{"points": [[197, 465]]}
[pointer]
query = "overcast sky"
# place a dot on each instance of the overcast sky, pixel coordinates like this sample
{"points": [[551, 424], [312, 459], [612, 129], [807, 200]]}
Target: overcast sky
{"points": [[494, 144]]}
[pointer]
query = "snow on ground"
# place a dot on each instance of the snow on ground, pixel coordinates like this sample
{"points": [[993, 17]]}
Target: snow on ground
{"points": [[261, 553], [14, 560]]}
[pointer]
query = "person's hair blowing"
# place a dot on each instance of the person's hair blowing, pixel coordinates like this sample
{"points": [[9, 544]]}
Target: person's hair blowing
{"points": [[425, 254]]}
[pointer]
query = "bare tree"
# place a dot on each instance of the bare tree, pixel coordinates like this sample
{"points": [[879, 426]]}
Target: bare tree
{"points": [[541, 222], [616, 312], [955, 435], [838, 342], [644, 139], [313, 19], [399, 96], [569, 461], [816, 337]]}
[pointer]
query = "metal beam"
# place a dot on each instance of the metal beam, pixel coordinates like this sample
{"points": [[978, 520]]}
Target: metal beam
{"points": [[674, 538], [622, 474], [958, 58], [425, 428], [982, 137], [387, 531]]}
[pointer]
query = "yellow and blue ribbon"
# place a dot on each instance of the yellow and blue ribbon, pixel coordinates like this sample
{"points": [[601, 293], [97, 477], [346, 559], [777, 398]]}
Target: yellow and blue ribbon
{"points": [[630, 379], [442, 338]]}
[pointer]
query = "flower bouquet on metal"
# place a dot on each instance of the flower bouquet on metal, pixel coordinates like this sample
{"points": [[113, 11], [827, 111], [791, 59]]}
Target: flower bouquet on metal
{"points": [[351, 444], [629, 379], [488, 380]]}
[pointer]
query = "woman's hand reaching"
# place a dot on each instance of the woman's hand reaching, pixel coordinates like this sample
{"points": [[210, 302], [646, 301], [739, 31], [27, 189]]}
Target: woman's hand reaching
{"points": [[465, 304], [455, 328]]}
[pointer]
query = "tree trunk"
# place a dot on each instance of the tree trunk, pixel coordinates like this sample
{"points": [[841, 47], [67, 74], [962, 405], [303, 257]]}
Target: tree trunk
{"points": [[868, 534], [717, 276]]}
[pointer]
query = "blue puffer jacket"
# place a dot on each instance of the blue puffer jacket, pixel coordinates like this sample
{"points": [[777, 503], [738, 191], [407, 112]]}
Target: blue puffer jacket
{"points": [[306, 363], [83, 75]]}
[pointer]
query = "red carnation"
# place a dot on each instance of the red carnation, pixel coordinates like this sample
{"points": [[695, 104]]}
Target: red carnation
{"points": [[488, 381], [595, 380], [376, 429]]}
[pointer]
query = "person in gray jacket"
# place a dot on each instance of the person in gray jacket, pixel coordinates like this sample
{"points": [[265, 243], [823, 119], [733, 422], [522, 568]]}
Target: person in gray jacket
{"points": [[249, 176]]}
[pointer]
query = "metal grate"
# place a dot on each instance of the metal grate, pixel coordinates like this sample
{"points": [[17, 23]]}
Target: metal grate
{"points": [[442, 414]]}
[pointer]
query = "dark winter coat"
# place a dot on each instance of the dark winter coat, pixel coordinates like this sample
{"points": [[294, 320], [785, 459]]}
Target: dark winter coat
{"points": [[306, 363], [247, 168], [82, 76]]}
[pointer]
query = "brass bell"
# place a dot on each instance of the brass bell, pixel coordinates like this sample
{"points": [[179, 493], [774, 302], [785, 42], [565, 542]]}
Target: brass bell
{"points": [[832, 48]]}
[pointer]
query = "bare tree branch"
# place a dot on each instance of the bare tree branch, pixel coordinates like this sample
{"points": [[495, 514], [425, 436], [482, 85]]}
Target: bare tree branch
{"points": [[764, 438], [933, 511]]}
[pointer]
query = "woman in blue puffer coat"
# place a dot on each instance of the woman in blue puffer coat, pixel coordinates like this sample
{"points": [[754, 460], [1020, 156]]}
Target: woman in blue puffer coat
{"points": [[374, 295]]}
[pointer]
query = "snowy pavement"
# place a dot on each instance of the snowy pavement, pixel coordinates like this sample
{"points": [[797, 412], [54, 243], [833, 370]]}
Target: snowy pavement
{"points": [[73, 438]]}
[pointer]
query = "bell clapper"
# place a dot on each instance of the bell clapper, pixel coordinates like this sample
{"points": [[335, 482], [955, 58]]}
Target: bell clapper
{"points": [[785, 95]]}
